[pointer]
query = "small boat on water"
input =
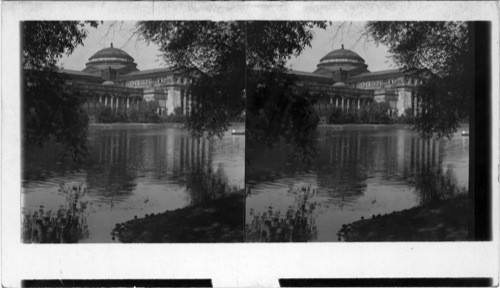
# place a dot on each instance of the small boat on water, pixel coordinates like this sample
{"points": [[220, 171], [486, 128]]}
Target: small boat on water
{"points": [[234, 132], [465, 133]]}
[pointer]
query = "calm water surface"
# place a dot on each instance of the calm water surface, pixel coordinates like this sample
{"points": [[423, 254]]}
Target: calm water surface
{"points": [[130, 172], [357, 173]]}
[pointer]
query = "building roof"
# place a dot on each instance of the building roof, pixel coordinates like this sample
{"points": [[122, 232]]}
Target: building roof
{"points": [[150, 71], [111, 52], [378, 75], [342, 53], [78, 73], [309, 74]]}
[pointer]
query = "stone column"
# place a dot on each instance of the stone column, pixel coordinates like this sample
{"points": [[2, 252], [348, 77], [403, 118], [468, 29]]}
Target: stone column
{"points": [[193, 102], [359, 105], [337, 102], [415, 105], [184, 101], [342, 104], [117, 102], [188, 106], [128, 103], [183, 106], [105, 101], [111, 102], [348, 100]]}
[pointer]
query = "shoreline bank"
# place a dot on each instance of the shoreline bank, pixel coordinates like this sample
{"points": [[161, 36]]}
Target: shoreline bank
{"points": [[445, 220], [218, 220]]}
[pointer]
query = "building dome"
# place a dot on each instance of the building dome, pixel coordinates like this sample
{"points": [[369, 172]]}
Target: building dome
{"points": [[111, 53], [111, 58], [341, 60], [342, 55]]}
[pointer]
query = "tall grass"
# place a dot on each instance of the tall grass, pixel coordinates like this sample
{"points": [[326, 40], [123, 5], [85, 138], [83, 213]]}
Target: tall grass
{"points": [[68, 224], [436, 185], [296, 224]]}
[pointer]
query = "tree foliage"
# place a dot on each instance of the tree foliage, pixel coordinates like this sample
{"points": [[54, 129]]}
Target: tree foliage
{"points": [[276, 107], [443, 54], [234, 63], [213, 53], [45, 42], [49, 110]]}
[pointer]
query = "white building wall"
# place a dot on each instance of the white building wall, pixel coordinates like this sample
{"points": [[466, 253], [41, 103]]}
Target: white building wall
{"points": [[404, 100], [173, 100]]}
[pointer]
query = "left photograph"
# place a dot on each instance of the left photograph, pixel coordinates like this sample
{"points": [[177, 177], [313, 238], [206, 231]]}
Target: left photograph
{"points": [[132, 132]]}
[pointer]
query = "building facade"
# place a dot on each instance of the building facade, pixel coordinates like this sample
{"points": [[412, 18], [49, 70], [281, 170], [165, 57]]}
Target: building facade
{"points": [[112, 79], [341, 80]]}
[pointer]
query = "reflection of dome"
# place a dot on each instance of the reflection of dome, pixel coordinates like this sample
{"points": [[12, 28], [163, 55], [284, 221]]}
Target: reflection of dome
{"points": [[108, 83], [111, 58], [342, 59], [339, 84]]}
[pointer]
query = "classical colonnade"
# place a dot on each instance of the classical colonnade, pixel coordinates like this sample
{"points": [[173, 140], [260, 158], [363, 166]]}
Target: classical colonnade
{"points": [[343, 102], [117, 102], [187, 102]]}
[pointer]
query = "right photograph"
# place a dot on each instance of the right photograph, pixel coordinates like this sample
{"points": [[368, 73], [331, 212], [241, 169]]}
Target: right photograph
{"points": [[359, 131]]}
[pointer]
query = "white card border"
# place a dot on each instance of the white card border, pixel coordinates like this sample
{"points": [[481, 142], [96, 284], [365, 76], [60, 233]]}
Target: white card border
{"points": [[242, 264]]}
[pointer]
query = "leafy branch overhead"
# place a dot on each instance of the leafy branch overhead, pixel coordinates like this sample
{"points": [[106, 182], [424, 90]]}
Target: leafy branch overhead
{"points": [[443, 54], [45, 42], [224, 57], [49, 110]]}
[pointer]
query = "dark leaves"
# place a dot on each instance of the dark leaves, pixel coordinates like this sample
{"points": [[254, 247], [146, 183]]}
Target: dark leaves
{"points": [[234, 62], [50, 110], [445, 50]]}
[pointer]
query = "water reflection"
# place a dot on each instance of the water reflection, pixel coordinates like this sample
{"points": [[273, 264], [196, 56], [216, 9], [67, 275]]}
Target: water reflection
{"points": [[203, 185], [358, 173], [437, 184], [132, 172]]}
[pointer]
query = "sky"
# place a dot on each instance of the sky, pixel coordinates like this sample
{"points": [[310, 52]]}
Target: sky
{"points": [[148, 56]]}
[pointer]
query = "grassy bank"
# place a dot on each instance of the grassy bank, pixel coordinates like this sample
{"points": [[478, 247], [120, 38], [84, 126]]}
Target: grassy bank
{"points": [[219, 220], [445, 220]]}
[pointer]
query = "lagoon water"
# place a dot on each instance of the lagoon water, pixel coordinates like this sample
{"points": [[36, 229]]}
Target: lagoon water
{"points": [[130, 172], [358, 172]]}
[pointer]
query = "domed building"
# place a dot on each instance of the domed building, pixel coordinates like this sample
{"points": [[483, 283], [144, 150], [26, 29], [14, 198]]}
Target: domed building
{"points": [[110, 59], [344, 81], [341, 80], [341, 60], [112, 77]]}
